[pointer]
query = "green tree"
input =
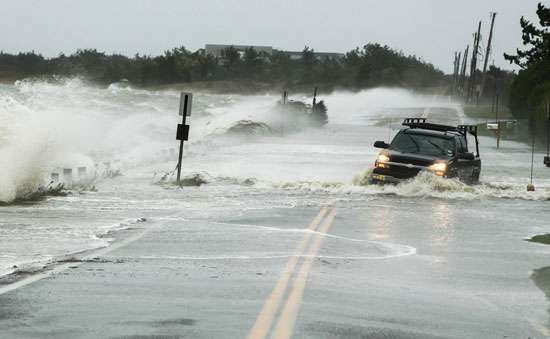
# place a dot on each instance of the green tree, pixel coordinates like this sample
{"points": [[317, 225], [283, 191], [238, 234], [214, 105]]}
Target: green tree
{"points": [[231, 60], [253, 64], [536, 39], [280, 68], [204, 66], [531, 88], [330, 71], [308, 65], [373, 65]]}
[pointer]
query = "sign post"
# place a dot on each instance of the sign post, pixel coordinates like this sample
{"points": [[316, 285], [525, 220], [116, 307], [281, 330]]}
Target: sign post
{"points": [[547, 157], [182, 133], [498, 122]]}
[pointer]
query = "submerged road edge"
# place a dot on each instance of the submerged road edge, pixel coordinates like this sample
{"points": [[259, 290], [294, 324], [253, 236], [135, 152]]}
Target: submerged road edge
{"points": [[62, 267]]}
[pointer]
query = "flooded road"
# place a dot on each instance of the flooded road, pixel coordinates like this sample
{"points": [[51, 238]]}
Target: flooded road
{"points": [[282, 237]]}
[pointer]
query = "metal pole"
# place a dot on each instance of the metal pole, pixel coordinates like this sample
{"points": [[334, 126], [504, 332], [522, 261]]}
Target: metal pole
{"points": [[532, 158], [498, 122], [530, 186], [285, 97], [547, 127], [181, 141]]}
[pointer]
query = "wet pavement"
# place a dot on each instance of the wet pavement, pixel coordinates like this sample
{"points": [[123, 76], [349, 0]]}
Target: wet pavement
{"points": [[374, 276]]}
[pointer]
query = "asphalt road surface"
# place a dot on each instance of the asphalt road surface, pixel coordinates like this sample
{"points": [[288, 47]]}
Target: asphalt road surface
{"points": [[331, 272]]}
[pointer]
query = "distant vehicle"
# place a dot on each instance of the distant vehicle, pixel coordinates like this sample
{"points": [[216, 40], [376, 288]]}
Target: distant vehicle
{"points": [[422, 146]]}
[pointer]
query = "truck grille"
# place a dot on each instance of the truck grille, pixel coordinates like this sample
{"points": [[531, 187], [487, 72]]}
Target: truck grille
{"points": [[415, 161], [400, 172]]}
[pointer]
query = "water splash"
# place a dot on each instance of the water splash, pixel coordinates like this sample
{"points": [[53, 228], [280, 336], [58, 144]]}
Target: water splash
{"points": [[425, 184]]}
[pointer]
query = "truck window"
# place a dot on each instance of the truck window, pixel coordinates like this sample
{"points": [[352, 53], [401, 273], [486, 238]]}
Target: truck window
{"points": [[424, 144], [462, 146]]}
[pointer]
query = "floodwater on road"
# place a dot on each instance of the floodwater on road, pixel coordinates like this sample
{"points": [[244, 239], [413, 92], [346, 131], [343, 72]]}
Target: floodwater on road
{"points": [[434, 253]]}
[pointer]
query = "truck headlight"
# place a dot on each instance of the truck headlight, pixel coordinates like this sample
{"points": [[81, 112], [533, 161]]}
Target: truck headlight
{"points": [[381, 160], [439, 168]]}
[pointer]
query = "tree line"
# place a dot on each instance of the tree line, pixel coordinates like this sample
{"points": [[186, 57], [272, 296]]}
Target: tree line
{"points": [[369, 66]]}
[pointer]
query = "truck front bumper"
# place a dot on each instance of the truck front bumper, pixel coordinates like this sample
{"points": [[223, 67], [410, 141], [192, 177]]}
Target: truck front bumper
{"points": [[382, 179]]}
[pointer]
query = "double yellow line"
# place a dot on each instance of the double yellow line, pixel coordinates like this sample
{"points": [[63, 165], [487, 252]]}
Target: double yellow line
{"points": [[285, 325]]}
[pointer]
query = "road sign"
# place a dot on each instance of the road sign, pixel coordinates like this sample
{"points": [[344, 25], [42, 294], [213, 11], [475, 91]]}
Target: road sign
{"points": [[182, 132], [186, 99]]}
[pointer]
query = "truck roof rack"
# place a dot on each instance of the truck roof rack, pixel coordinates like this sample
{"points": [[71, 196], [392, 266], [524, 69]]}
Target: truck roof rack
{"points": [[421, 123], [472, 129], [462, 129], [414, 121]]}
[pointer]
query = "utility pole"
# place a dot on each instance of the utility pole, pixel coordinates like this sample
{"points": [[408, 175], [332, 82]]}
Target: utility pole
{"points": [[454, 65], [488, 52], [493, 101], [473, 64], [462, 81], [455, 74], [458, 60]]}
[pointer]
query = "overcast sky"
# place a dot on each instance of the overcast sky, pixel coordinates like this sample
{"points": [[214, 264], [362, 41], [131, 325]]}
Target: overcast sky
{"points": [[431, 29]]}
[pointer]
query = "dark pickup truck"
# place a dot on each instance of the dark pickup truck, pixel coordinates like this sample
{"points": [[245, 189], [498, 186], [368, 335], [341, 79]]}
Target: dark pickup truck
{"points": [[422, 146]]}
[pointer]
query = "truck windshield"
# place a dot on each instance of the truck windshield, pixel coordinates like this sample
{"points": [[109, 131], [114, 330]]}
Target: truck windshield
{"points": [[423, 144]]}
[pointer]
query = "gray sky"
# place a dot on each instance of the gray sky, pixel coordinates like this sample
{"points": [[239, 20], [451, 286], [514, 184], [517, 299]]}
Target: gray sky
{"points": [[431, 29]]}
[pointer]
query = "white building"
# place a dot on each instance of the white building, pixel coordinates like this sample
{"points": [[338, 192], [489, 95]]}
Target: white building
{"points": [[216, 51]]}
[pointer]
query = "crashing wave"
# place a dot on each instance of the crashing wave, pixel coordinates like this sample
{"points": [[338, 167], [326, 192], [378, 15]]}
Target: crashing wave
{"points": [[202, 178], [363, 178], [37, 194], [193, 179], [249, 127], [311, 185]]}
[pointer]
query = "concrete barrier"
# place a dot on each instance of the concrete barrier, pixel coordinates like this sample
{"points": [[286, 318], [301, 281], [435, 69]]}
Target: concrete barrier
{"points": [[81, 172], [68, 176]]}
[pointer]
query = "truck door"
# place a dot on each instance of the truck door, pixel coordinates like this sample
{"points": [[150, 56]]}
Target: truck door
{"points": [[465, 168]]}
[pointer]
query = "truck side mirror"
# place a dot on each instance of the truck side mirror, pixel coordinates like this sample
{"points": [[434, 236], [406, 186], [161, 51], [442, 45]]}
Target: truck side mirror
{"points": [[381, 144], [467, 156]]}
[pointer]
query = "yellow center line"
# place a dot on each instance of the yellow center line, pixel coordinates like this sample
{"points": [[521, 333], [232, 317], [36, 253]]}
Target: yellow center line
{"points": [[265, 318], [285, 326]]}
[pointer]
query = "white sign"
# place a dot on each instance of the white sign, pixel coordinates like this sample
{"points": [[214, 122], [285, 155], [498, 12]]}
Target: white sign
{"points": [[183, 98]]}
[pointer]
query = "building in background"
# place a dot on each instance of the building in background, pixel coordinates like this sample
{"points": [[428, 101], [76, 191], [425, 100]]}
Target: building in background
{"points": [[297, 55], [216, 51]]}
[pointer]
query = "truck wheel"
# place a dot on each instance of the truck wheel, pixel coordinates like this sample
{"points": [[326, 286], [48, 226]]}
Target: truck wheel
{"points": [[475, 177]]}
